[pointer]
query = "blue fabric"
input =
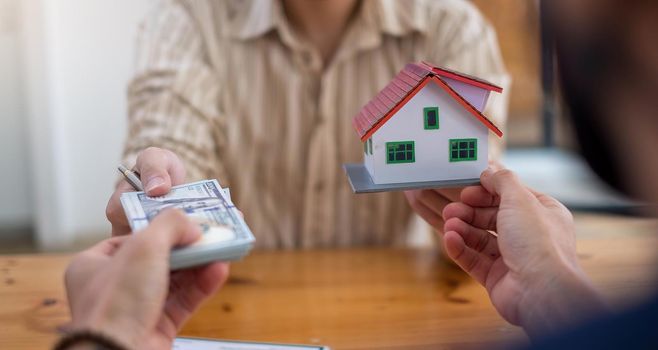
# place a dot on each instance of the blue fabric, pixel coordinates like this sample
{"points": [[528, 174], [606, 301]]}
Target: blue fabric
{"points": [[634, 329]]}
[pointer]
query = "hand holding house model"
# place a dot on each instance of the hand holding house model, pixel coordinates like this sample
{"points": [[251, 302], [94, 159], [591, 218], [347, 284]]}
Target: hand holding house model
{"points": [[425, 129]]}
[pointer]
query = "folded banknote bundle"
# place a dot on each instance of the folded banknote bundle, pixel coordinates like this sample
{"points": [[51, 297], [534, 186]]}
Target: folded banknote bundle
{"points": [[226, 236]]}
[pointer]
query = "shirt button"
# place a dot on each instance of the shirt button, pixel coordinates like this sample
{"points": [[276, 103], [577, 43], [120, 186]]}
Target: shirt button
{"points": [[319, 186]]}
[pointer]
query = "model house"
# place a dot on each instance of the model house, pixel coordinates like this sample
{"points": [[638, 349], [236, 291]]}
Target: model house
{"points": [[424, 129]]}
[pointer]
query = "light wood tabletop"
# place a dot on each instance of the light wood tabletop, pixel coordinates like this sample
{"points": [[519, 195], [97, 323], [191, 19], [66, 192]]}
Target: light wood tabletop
{"points": [[378, 298]]}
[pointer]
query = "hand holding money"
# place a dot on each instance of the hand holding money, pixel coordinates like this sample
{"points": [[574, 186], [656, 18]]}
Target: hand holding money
{"points": [[159, 169], [226, 236], [122, 288]]}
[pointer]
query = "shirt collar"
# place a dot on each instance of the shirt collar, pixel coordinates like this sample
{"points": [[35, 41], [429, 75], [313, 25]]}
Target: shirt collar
{"points": [[256, 18], [253, 18], [398, 18]]}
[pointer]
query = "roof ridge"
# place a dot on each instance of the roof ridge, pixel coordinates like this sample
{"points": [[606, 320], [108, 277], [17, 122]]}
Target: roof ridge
{"points": [[405, 85], [463, 77], [493, 127]]}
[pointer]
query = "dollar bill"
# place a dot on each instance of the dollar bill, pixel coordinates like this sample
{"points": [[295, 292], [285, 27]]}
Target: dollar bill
{"points": [[226, 236]]}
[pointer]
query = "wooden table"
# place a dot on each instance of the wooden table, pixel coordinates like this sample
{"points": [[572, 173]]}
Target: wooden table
{"points": [[380, 298]]}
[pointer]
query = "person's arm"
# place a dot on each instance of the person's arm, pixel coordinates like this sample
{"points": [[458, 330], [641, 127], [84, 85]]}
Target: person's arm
{"points": [[173, 98], [530, 269], [174, 125], [122, 294]]}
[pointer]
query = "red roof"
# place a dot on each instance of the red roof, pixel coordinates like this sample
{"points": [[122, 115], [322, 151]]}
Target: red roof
{"points": [[464, 78], [405, 85]]}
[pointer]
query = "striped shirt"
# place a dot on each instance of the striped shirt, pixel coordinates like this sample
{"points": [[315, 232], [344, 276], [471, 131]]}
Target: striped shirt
{"points": [[238, 95]]}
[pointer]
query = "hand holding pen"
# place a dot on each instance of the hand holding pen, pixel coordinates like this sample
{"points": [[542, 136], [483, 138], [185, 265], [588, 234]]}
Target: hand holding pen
{"points": [[132, 177], [156, 170]]}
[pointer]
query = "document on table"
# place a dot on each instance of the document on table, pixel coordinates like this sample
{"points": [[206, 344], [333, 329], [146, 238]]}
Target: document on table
{"points": [[182, 343]]}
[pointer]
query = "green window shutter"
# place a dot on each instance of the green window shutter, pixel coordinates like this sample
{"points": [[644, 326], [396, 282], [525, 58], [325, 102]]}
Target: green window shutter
{"points": [[370, 145], [400, 152], [431, 118], [463, 150], [365, 147]]}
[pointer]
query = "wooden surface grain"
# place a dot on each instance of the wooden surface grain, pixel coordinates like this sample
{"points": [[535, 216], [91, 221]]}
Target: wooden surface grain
{"points": [[381, 298]]}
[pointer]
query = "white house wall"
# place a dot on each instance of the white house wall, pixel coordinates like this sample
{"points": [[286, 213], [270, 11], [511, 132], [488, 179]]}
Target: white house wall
{"points": [[432, 159], [368, 161], [474, 95]]}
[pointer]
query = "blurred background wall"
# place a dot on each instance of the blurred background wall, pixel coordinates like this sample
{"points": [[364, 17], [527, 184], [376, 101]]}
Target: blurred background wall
{"points": [[15, 213], [517, 26], [64, 66]]}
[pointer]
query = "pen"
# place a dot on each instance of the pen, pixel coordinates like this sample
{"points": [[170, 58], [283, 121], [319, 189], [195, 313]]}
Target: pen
{"points": [[131, 177]]}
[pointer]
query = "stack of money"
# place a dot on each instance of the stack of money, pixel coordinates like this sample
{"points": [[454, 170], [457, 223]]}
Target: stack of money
{"points": [[226, 236]]}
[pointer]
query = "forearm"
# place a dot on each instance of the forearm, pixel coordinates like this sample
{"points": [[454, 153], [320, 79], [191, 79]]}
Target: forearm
{"points": [[563, 298], [150, 125], [173, 98]]}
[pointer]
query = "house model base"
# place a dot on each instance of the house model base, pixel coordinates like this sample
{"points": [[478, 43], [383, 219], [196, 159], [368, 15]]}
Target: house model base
{"points": [[361, 182]]}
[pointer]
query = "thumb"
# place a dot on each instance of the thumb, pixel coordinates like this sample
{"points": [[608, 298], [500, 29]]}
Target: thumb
{"points": [[159, 169], [170, 229], [502, 183]]}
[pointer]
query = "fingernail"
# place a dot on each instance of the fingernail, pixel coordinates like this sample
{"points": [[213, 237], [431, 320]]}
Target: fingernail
{"points": [[153, 183], [487, 172]]}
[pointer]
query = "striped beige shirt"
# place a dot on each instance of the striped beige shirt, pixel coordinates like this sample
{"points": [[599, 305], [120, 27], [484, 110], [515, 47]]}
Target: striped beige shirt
{"points": [[239, 96]]}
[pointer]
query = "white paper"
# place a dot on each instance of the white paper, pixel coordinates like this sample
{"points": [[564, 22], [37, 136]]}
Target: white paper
{"points": [[207, 344]]}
